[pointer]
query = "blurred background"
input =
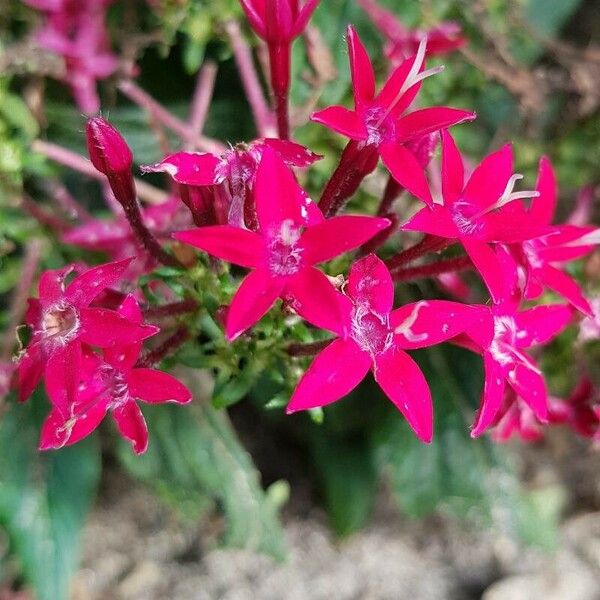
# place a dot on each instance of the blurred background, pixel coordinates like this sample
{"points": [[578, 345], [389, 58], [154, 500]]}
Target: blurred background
{"points": [[234, 501]]}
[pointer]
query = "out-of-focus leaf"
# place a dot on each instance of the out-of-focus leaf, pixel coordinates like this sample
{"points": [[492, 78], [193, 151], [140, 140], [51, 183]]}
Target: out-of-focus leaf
{"points": [[44, 500], [195, 460], [539, 514]]}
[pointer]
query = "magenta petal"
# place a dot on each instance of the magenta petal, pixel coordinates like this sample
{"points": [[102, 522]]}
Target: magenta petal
{"points": [[370, 284], [540, 324], [306, 12], [453, 172], [277, 195], [530, 385], [132, 426], [31, 368], [103, 327], [338, 235], [435, 221], [388, 96], [493, 394], [292, 153], [255, 16], [190, 168], [427, 120], [430, 322], [315, 299], [489, 266], [488, 180], [565, 286], [543, 207], [363, 78], [124, 357], [405, 385], [406, 170], [255, 296], [333, 374], [62, 375], [51, 285], [87, 286], [233, 244], [156, 387], [341, 120]]}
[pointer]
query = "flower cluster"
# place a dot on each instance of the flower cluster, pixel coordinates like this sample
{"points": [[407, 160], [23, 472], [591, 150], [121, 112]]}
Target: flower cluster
{"points": [[77, 32], [250, 210]]}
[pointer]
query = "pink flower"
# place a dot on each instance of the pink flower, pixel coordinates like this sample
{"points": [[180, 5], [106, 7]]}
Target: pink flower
{"points": [[233, 171], [403, 42], [478, 212], [278, 21], [378, 339], [283, 252], [589, 327], [111, 383], [516, 417], [379, 120], [502, 334], [539, 257], [62, 319]]}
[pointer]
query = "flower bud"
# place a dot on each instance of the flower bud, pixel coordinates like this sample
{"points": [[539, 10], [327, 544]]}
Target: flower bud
{"points": [[108, 151]]}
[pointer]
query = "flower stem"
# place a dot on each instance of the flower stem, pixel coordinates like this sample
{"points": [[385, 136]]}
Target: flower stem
{"points": [[205, 85], [392, 190], [452, 265], [279, 65], [430, 243], [172, 309], [263, 118], [48, 219], [170, 345], [310, 349], [355, 164], [81, 164], [380, 238]]}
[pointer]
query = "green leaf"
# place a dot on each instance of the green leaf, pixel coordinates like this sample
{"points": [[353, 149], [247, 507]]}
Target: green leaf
{"points": [[196, 461], [44, 500]]}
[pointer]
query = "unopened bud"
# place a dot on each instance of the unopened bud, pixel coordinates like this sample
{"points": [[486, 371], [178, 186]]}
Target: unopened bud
{"points": [[107, 148]]}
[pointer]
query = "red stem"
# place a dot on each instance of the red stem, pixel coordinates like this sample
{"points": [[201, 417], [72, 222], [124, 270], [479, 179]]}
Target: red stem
{"points": [[382, 237], [205, 85], [169, 346], [451, 265], [172, 309], [392, 190], [310, 349], [279, 64], [430, 243]]}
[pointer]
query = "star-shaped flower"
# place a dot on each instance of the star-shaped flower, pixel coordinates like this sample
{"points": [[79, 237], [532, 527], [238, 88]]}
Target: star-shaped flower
{"points": [[111, 383], [502, 334], [283, 252], [379, 120], [539, 257], [62, 319], [478, 212], [379, 337]]}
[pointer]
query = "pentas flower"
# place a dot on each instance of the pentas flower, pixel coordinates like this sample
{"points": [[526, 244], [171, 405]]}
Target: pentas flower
{"points": [[478, 212], [379, 337], [539, 258], [284, 250], [62, 319], [111, 383], [234, 171], [379, 120], [403, 42], [502, 334]]}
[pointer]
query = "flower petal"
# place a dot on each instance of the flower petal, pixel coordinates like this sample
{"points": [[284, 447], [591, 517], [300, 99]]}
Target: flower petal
{"points": [[104, 328], [490, 267], [488, 180], [406, 170], [255, 296], [277, 194], [315, 299], [564, 285], [338, 235], [430, 322], [51, 285], [333, 374], [306, 12], [493, 394], [132, 426], [233, 244], [388, 96], [540, 324], [156, 387], [435, 221], [370, 284], [427, 120], [343, 121], [87, 286], [453, 171], [405, 385], [530, 385], [542, 208], [363, 78], [255, 16], [291, 152], [62, 375], [189, 168], [31, 368]]}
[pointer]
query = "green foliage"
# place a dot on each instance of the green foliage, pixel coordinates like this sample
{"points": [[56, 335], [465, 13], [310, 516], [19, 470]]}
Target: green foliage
{"points": [[195, 462], [44, 499]]}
